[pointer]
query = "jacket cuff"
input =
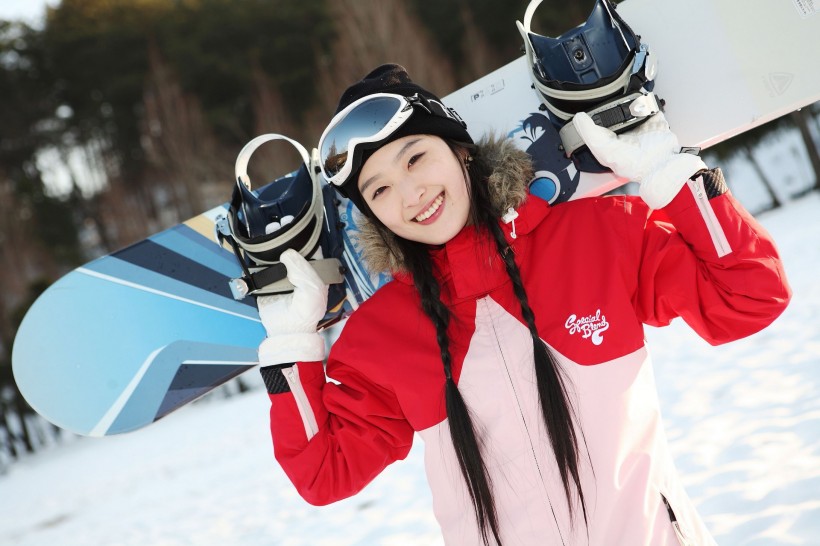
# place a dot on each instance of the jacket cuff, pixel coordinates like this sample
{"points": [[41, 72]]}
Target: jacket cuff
{"points": [[704, 212], [713, 182], [274, 379]]}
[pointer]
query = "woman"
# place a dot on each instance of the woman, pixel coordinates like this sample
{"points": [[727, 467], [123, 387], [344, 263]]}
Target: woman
{"points": [[511, 337]]}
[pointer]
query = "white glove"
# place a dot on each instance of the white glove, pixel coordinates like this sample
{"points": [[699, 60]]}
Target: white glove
{"points": [[649, 155], [291, 319]]}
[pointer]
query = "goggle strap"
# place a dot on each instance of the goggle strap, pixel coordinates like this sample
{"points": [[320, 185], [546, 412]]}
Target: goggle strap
{"points": [[444, 111]]}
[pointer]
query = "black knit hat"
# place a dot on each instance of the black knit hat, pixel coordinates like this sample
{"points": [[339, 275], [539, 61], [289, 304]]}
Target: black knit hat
{"points": [[392, 78]]}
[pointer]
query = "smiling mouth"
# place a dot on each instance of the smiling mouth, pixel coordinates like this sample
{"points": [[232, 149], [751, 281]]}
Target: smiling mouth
{"points": [[434, 206]]}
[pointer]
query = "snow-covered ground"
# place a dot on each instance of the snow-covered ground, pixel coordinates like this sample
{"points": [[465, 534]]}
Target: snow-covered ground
{"points": [[743, 420]]}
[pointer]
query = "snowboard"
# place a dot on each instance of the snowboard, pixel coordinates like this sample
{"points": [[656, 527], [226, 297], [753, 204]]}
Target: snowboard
{"points": [[128, 338]]}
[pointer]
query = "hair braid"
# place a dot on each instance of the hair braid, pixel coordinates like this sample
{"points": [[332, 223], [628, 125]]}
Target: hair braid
{"points": [[462, 428], [556, 408]]}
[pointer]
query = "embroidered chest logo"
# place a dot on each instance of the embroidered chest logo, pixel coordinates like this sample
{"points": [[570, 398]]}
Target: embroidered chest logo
{"points": [[591, 327]]}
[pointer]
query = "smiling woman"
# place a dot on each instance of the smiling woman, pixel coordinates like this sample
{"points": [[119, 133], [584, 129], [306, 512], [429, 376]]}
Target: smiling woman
{"points": [[537, 405]]}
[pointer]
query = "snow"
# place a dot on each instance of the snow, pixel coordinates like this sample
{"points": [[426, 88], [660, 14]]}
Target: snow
{"points": [[743, 421]]}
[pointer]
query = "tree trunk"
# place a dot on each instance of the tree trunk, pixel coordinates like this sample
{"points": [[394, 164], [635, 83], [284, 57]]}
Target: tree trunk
{"points": [[800, 118], [22, 408], [480, 57], [776, 203], [7, 444]]}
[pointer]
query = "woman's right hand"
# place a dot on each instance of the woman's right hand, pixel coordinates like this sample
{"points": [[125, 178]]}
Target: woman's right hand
{"points": [[290, 320]]}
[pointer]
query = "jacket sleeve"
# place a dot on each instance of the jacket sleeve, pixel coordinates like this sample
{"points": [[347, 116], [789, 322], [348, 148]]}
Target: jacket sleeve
{"points": [[704, 258], [333, 438]]}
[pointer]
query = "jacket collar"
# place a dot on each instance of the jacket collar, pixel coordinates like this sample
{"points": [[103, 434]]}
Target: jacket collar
{"points": [[469, 266]]}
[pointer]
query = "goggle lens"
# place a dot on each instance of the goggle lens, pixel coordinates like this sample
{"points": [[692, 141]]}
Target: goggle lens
{"points": [[362, 123]]}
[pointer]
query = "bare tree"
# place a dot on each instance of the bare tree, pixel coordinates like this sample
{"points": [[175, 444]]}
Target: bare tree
{"points": [[748, 153], [121, 213], [372, 32], [801, 120], [269, 110], [185, 158], [480, 58], [272, 115], [23, 256]]}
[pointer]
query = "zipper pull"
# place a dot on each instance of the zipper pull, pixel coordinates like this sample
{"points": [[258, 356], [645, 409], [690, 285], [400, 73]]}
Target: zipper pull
{"points": [[510, 217], [700, 189]]}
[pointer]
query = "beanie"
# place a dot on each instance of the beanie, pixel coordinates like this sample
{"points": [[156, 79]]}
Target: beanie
{"points": [[392, 78]]}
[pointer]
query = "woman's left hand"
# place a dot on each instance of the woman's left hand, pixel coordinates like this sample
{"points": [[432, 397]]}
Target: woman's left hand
{"points": [[649, 155]]}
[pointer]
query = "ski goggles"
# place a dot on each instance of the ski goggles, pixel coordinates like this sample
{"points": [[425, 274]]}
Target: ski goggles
{"points": [[365, 123]]}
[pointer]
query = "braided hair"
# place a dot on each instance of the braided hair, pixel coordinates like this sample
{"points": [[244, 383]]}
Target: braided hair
{"points": [[557, 411]]}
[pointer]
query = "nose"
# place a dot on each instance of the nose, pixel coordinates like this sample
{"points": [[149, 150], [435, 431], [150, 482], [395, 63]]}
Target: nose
{"points": [[411, 191]]}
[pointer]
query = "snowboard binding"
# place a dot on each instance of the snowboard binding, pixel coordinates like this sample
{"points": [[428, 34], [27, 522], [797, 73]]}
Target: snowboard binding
{"points": [[294, 211], [600, 67]]}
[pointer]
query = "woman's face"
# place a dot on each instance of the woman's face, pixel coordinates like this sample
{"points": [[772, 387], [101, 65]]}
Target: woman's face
{"points": [[417, 187]]}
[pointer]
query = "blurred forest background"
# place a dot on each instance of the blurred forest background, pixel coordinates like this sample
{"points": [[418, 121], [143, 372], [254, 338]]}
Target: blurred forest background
{"points": [[120, 118]]}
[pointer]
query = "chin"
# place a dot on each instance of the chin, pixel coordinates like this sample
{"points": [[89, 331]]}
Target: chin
{"points": [[439, 236]]}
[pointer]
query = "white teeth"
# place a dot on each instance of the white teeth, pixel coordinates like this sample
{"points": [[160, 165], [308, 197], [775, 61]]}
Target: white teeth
{"points": [[432, 210]]}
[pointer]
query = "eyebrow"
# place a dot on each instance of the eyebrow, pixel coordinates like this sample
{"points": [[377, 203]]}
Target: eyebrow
{"points": [[396, 158]]}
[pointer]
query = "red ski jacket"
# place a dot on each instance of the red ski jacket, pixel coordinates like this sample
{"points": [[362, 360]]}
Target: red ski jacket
{"points": [[595, 270]]}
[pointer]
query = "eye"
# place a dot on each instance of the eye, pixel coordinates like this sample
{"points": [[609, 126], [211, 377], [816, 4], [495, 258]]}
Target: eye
{"points": [[378, 191], [414, 158]]}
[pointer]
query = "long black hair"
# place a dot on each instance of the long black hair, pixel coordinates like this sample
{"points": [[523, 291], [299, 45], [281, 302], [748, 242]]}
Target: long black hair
{"points": [[556, 409]]}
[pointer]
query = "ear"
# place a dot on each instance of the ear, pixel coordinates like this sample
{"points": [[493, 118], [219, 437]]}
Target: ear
{"points": [[463, 155]]}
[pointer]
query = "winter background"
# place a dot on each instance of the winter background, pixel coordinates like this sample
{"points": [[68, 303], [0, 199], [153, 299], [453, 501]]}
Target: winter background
{"points": [[743, 421]]}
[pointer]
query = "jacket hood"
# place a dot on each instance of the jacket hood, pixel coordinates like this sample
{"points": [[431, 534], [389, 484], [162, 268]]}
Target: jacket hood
{"points": [[511, 171]]}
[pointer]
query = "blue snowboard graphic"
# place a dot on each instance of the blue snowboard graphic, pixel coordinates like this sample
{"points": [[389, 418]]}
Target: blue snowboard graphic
{"points": [[131, 336]]}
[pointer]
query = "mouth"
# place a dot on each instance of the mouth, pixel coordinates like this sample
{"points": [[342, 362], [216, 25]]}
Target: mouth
{"points": [[432, 212]]}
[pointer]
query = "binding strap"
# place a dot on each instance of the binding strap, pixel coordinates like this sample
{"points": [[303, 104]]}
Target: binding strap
{"points": [[617, 115]]}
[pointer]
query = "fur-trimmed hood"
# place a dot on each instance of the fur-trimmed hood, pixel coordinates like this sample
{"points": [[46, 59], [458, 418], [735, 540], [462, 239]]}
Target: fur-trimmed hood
{"points": [[511, 173]]}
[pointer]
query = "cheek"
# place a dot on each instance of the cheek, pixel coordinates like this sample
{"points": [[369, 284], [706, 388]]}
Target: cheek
{"points": [[386, 211], [459, 190]]}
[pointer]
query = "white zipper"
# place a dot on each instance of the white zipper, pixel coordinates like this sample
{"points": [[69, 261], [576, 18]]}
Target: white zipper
{"points": [[676, 524], [681, 538], [511, 385], [716, 232], [302, 402]]}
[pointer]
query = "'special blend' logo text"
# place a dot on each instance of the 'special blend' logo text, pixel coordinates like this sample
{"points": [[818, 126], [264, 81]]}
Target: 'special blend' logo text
{"points": [[591, 327]]}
